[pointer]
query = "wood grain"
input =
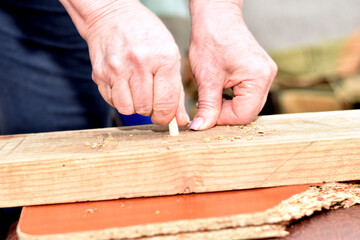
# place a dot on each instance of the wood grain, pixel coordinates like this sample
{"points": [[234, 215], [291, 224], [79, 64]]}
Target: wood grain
{"points": [[114, 163]]}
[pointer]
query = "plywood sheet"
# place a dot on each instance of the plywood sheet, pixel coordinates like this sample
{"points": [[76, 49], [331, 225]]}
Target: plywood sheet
{"points": [[244, 214]]}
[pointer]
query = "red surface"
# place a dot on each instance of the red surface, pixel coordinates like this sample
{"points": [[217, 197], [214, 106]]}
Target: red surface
{"points": [[74, 217]]}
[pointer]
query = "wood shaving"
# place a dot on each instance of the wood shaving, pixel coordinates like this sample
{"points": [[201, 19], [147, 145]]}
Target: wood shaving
{"points": [[219, 137], [206, 140]]}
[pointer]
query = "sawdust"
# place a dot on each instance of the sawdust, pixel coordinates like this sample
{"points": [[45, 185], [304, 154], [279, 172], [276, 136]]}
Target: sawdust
{"points": [[206, 140], [219, 137], [130, 138], [101, 141], [244, 132]]}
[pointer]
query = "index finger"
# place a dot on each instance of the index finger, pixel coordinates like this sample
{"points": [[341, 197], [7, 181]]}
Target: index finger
{"points": [[167, 87], [250, 97]]}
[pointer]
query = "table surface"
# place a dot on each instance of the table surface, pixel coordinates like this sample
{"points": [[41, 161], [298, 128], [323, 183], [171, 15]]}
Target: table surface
{"points": [[343, 223]]}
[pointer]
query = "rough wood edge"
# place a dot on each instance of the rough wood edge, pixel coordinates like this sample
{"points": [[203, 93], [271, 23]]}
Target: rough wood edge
{"points": [[253, 232], [269, 223]]}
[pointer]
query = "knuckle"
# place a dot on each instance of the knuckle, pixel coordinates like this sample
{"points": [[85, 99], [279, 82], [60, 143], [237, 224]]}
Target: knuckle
{"points": [[144, 110], [114, 63], [263, 71], [164, 108], [266, 71], [169, 53], [158, 55], [138, 56], [97, 71], [125, 110], [171, 50]]}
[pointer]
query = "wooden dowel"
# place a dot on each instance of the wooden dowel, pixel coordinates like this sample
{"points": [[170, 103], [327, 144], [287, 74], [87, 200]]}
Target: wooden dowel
{"points": [[173, 128]]}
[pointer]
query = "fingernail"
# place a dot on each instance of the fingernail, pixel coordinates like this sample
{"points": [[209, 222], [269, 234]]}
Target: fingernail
{"points": [[196, 124], [197, 105]]}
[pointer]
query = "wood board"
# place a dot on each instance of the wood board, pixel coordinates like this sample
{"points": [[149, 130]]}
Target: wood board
{"points": [[244, 214], [128, 162]]}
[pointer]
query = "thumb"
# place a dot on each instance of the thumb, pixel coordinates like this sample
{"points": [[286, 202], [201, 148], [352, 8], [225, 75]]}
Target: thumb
{"points": [[209, 108]]}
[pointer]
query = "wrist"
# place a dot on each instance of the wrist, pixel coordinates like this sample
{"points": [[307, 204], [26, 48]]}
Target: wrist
{"points": [[86, 13], [198, 6], [211, 17]]}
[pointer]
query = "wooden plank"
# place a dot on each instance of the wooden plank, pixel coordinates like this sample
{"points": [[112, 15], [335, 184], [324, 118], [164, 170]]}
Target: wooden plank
{"points": [[244, 214], [141, 161]]}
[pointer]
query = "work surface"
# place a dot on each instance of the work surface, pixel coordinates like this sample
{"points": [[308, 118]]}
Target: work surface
{"points": [[141, 161]]}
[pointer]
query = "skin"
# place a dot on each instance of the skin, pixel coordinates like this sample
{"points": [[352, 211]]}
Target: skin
{"points": [[135, 60], [224, 54], [136, 63]]}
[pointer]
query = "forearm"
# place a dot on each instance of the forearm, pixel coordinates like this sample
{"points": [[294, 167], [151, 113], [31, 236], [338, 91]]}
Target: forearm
{"points": [[85, 13], [215, 16]]}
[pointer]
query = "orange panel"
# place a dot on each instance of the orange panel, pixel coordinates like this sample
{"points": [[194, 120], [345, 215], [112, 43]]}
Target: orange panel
{"points": [[78, 217]]}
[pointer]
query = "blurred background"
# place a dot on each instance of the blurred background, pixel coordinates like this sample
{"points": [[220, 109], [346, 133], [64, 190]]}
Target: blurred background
{"points": [[316, 45]]}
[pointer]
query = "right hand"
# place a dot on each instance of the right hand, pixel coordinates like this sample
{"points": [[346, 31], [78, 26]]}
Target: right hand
{"points": [[136, 62]]}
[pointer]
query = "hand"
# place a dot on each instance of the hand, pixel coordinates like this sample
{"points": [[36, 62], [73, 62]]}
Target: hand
{"points": [[135, 60], [223, 54]]}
